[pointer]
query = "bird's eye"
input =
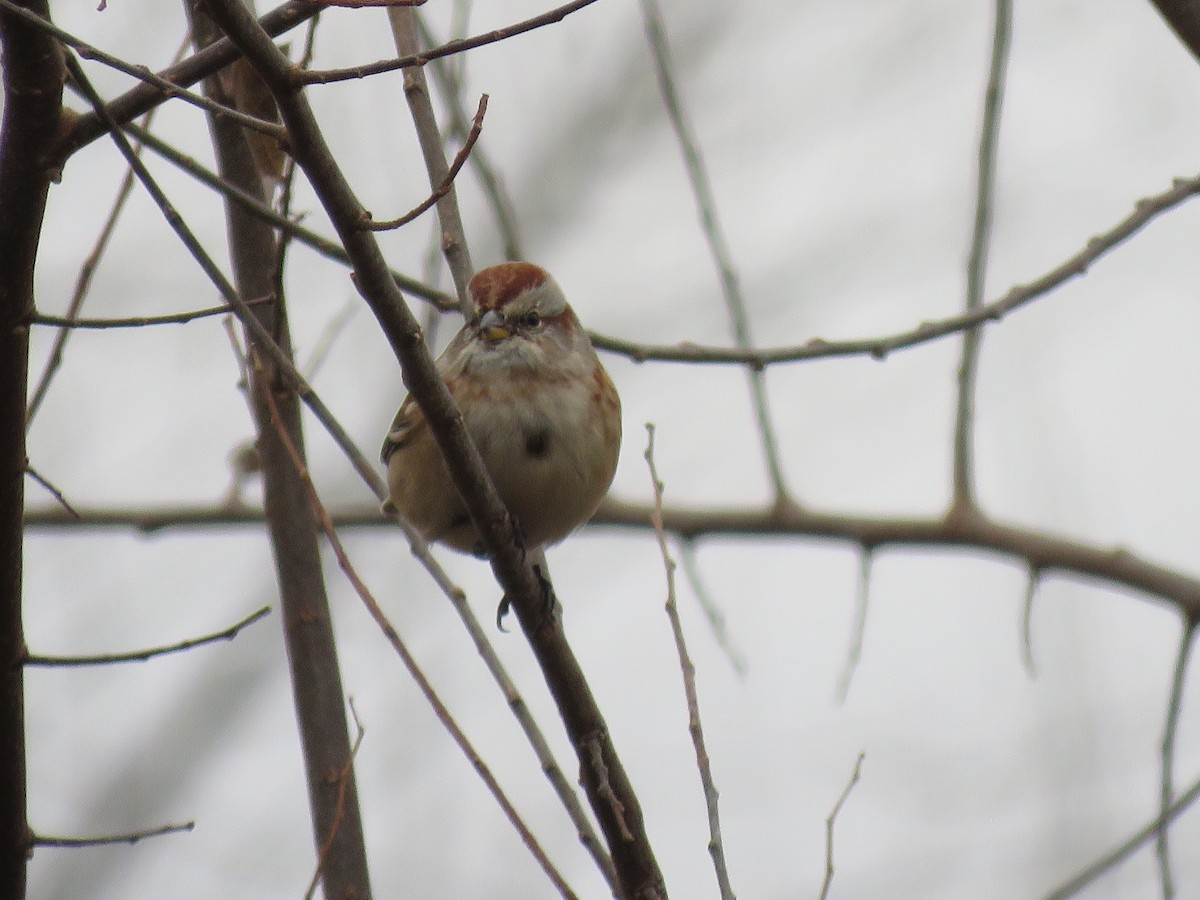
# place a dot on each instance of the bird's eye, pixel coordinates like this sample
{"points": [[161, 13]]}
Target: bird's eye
{"points": [[531, 320]]}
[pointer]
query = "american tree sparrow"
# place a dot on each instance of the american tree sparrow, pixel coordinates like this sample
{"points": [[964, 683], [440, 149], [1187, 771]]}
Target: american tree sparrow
{"points": [[538, 405]]}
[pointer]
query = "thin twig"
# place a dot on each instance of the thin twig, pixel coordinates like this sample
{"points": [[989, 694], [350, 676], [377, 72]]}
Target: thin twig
{"points": [[105, 659], [325, 341], [267, 343], [447, 183], [137, 100], [858, 630], [366, 4], [1033, 579], [1170, 731], [131, 837], [1122, 852], [831, 819], [253, 205], [449, 80], [716, 846], [144, 74], [54, 492], [714, 235], [1144, 212], [409, 661], [87, 269], [964, 456], [423, 57], [712, 612], [142, 321], [416, 94]]}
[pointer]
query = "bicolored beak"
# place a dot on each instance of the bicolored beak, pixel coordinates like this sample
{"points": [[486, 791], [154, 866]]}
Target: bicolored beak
{"points": [[493, 327]]}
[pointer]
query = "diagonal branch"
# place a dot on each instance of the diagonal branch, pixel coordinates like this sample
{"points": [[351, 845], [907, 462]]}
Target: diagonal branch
{"points": [[1184, 18], [714, 235], [163, 85], [128, 106], [410, 663], [429, 136], [604, 777], [447, 183]]}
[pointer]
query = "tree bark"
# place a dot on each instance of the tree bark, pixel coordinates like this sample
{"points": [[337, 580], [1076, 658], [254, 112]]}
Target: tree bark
{"points": [[33, 78], [293, 529]]}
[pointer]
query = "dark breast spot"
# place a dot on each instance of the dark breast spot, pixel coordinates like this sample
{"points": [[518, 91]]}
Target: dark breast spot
{"points": [[537, 442]]}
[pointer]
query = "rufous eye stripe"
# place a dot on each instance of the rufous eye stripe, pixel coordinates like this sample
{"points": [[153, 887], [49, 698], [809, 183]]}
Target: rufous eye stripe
{"points": [[494, 287]]}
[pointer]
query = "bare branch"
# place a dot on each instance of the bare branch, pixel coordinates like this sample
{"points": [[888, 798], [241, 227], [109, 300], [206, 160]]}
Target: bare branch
{"points": [[1145, 211], [422, 58], [716, 847], [859, 629], [54, 492], [1170, 732], [143, 321], [1184, 18], [447, 183], [449, 83], [131, 837], [83, 280], [227, 634], [714, 235], [33, 114], [265, 339], [712, 612], [258, 209], [831, 819], [964, 456], [366, 4], [1119, 854], [312, 656], [166, 87], [601, 768], [1032, 581], [128, 106], [345, 778], [1050, 552], [429, 136], [410, 663]]}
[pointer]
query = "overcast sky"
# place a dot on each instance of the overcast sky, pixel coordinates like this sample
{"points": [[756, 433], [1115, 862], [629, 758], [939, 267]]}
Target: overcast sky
{"points": [[840, 138]]}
